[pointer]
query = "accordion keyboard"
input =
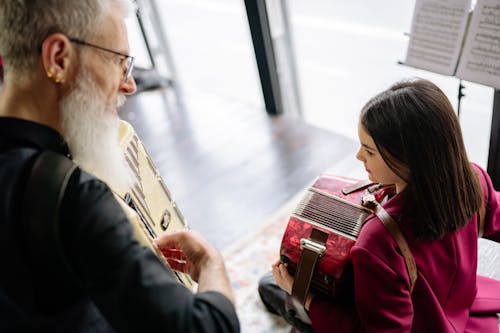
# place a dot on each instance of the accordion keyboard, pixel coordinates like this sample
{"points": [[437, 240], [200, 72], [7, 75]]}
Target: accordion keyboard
{"points": [[148, 197]]}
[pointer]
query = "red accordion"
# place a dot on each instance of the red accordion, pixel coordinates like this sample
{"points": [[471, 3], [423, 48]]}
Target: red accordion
{"points": [[321, 232]]}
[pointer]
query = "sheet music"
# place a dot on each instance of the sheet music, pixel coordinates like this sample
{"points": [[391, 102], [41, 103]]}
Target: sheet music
{"points": [[480, 61], [436, 34], [488, 262]]}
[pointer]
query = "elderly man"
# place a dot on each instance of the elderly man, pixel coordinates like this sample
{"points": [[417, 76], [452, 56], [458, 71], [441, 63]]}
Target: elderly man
{"points": [[67, 70]]}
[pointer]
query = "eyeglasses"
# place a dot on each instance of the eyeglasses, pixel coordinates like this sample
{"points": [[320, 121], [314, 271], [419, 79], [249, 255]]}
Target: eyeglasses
{"points": [[128, 58]]}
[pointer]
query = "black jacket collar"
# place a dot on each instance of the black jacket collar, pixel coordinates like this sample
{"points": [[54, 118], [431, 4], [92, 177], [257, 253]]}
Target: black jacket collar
{"points": [[20, 132]]}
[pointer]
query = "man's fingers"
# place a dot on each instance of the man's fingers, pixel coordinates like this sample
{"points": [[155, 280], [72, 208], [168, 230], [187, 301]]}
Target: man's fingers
{"points": [[173, 254], [170, 239], [180, 266], [176, 259]]}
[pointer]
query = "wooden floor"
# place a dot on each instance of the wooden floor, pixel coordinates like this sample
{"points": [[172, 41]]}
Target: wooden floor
{"points": [[230, 166]]}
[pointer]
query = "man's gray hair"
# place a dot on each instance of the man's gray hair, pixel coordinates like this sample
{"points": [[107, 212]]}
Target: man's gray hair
{"points": [[24, 25]]}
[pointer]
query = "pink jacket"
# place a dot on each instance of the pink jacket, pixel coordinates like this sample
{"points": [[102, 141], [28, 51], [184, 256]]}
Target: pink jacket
{"points": [[448, 295]]}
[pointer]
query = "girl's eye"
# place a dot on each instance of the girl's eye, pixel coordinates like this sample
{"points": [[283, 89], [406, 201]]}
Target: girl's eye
{"points": [[370, 153]]}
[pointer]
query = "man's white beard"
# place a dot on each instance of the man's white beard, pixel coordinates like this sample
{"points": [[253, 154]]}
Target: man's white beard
{"points": [[90, 127]]}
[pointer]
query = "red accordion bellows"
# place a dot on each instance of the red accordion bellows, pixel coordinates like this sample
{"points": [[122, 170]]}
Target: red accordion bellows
{"points": [[326, 208]]}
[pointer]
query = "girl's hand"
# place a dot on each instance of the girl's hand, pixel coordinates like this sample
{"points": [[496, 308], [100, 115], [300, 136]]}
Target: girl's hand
{"points": [[282, 277]]}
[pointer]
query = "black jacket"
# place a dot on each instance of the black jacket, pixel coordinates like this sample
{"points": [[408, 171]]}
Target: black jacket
{"points": [[118, 285]]}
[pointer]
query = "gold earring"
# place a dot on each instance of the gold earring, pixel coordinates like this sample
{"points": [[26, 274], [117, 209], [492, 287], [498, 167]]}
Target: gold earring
{"points": [[59, 78], [50, 73]]}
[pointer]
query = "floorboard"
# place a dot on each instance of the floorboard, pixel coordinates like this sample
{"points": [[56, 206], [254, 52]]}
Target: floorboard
{"points": [[229, 166]]}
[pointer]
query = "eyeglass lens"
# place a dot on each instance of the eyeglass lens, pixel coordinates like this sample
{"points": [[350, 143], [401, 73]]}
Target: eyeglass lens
{"points": [[128, 70]]}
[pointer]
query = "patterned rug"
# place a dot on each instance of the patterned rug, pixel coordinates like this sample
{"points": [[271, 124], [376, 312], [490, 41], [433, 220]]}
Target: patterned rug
{"points": [[247, 261]]}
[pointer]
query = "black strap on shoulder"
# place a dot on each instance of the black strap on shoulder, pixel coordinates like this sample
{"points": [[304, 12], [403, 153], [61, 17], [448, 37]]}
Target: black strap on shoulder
{"points": [[312, 250], [44, 193]]}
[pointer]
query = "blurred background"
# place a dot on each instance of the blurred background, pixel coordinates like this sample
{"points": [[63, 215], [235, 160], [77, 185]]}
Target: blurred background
{"points": [[343, 53]]}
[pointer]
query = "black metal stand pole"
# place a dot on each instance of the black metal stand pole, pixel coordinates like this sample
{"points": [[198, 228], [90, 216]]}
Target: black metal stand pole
{"points": [[264, 54], [494, 152], [461, 94]]}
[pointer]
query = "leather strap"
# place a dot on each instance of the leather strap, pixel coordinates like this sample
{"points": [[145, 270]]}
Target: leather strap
{"points": [[482, 217], [482, 207], [396, 233], [307, 263], [362, 184]]}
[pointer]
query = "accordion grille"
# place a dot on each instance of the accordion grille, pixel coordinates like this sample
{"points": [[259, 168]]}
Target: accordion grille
{"points": [[331, 212]]}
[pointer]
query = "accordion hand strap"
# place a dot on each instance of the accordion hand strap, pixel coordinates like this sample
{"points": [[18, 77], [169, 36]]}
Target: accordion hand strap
{"points": [[311, 252], [396, 233]]}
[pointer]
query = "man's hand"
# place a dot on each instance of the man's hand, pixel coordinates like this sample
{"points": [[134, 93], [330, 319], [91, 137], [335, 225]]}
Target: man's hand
{"points": [[188, 252]]}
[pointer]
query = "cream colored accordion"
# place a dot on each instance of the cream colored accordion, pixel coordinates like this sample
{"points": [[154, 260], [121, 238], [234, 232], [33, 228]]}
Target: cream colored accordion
{"points": [[148, 203]]}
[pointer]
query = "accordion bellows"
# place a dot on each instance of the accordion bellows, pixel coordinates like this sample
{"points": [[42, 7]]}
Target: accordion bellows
{"points": [[326, 208]]}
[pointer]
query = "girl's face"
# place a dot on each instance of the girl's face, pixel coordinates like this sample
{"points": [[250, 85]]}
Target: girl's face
{"points": [[378, 171]]}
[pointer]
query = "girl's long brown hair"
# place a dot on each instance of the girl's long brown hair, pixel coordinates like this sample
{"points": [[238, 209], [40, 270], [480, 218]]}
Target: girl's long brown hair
{"points": [[418, 135]]}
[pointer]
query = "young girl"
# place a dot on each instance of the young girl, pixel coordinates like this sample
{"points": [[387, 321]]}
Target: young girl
{"points": [[411, 137]]}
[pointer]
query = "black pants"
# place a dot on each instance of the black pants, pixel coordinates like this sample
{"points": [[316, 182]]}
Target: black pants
{"points": [[278, 302]]}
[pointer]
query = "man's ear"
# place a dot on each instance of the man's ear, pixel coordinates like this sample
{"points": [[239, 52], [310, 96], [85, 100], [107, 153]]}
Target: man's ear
{"points": [[58, 57]]}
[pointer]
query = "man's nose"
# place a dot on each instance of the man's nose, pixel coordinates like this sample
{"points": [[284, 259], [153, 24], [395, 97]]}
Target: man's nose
{"points": [[128, 87]]}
